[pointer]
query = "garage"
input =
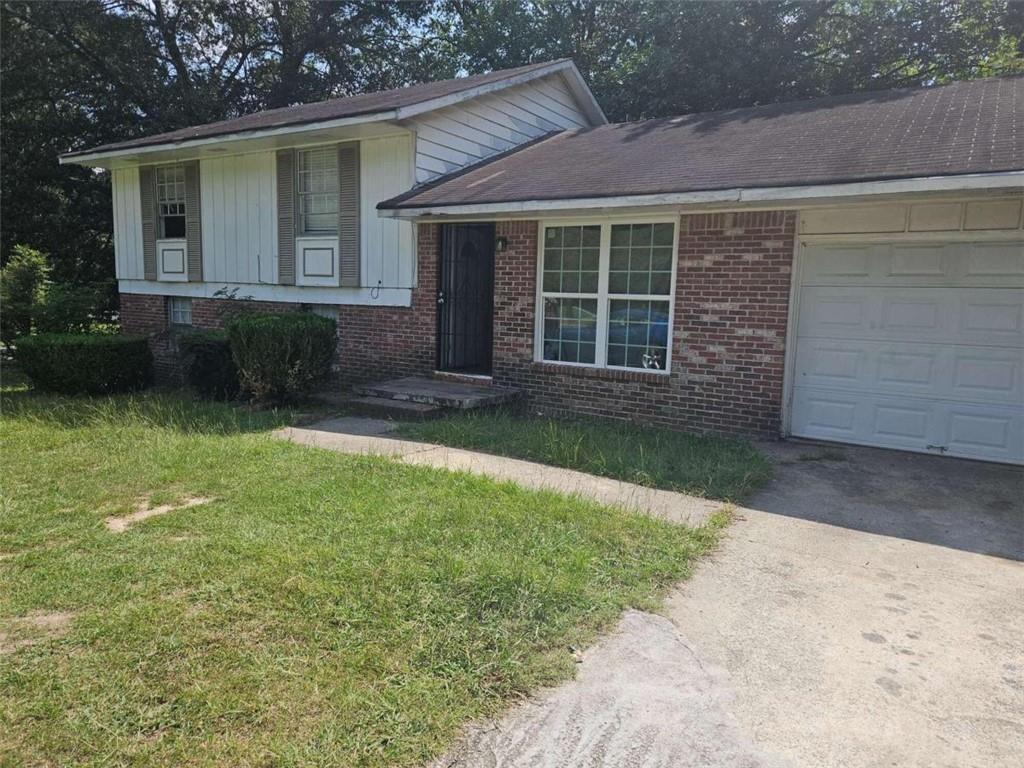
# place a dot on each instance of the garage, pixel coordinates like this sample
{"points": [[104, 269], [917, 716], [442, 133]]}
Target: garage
{"points": [[912, 341]]}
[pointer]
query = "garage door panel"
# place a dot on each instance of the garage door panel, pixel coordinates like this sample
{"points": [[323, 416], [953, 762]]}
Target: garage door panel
{"points": [[1005, 261], [988, 316], [988, 432], [859, 417], [912, 345], [995, 318], [980, 264], [949, 372], [992, 433]]}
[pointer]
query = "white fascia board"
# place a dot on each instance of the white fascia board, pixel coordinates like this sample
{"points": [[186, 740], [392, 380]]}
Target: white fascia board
{"points": [[587, 101], [95, 159], [404, 113], [737, 195], [292, 294]]}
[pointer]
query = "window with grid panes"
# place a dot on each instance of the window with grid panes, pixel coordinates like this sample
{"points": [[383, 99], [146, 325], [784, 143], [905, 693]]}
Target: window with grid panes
{"points": [[170, 196], [606, 294], [317, 171]]}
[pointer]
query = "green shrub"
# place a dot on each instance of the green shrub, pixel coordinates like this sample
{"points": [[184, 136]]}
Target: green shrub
{"points": [[67, 308], [84, 363], [22, 283], [209, 367], [280, 357]]}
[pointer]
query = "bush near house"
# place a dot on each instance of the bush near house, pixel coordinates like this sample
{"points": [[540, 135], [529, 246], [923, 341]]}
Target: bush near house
{"points": [[66, 308], [280, 357], [209, 367], [84, 363]]}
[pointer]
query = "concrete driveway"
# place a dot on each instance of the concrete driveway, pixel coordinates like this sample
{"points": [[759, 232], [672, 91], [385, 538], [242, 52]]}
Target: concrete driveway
{"points": [[866, 609]]}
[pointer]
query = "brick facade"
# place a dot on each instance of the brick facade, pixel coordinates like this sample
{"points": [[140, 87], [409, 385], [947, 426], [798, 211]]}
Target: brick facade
{"points": [[728, 341], [147, 315]]}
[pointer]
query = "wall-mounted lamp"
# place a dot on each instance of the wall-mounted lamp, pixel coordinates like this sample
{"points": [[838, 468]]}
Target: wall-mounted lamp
{"points": [[500, 244]]}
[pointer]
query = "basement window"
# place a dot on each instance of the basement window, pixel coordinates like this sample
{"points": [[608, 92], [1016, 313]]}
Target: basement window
{"points": [[606, 297], [179, 310]]}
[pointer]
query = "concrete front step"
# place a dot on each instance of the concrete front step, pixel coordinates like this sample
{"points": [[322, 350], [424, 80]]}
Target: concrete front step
{"points": [[399, 410], [436, 392]]}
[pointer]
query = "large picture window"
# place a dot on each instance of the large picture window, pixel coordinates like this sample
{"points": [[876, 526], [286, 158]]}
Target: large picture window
{"points": [[318, 190], [170, 196], [606, 294]]}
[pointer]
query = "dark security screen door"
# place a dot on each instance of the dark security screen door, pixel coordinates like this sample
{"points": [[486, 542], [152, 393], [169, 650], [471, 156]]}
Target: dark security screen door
{"points": [[465, 298]]}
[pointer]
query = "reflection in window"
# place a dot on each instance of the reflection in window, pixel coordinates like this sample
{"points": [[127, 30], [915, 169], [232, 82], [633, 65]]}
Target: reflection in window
{"points": [[607, 294], [572, 258], [570, 330], [638, 334]]}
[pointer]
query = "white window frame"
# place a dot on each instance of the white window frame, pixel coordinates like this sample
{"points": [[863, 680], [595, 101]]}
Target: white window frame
{"points": [[604, 298], [178, 308], [177, 199], [301, 197]]}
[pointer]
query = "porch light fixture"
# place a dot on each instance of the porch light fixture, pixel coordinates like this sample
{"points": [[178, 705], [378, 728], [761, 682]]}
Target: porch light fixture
{"points": [[500, 244]]}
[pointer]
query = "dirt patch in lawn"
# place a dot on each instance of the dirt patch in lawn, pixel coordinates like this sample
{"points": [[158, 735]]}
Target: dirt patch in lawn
{"points": [[143, 512], [34, 628]]}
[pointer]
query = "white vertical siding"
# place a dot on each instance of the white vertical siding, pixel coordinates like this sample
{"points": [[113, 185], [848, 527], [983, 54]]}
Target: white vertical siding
{"points": [[386, 244], [239, 210], [463, 134], [127, 224]]}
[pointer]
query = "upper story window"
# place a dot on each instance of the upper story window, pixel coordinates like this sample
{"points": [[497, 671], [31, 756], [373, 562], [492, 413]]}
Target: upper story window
{"points": [[318, 190], [606, 294], [170, 195]]}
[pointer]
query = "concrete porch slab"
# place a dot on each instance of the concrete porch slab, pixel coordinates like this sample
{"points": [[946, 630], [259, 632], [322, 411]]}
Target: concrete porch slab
{"points": [[439, 392]]}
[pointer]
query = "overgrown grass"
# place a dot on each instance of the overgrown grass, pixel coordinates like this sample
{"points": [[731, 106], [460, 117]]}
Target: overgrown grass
{"points": [[322, 610], [713, 467]]}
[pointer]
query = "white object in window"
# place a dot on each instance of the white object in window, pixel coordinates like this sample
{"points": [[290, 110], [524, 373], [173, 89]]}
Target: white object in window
{"points": [[606, 294], [317, 186], [179, 310], [170, 196]]}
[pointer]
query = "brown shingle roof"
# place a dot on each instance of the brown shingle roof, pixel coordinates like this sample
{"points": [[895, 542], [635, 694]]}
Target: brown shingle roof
{"points": [[962, 128], [333, 109]]}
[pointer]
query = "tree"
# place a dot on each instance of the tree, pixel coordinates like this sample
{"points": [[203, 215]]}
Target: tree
{"points": [[79, 74], [653, 59], [82, 73]]}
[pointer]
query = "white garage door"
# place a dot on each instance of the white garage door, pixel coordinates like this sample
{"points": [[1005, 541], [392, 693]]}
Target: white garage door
{"points": [[912, 345]]}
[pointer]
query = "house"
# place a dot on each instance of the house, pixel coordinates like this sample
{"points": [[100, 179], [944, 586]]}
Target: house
{"points": [[847, 268]]}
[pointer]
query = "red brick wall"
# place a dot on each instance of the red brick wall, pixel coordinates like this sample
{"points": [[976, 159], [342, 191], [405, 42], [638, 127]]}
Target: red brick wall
{"points": [[376, 343], [146, 315], [732, 296]]}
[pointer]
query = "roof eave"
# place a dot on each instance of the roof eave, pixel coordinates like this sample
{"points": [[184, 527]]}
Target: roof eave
{"points": [[102, 158], [733, 196], [566, 67]]}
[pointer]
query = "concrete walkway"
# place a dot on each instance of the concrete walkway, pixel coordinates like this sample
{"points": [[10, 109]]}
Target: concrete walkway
{"points": [[370, 436], [861, 612]]}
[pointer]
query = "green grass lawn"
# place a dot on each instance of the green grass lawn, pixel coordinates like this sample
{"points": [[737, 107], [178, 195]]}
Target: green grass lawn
{"points": [[712, 467], [322, 610]]}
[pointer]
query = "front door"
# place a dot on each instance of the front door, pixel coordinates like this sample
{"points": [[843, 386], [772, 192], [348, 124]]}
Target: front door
{"points": [[465, 298]]}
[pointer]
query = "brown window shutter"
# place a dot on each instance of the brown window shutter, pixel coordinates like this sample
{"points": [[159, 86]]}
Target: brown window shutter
{"points": [[193, 222], [348, 213], [286, 216], [147, 196]]}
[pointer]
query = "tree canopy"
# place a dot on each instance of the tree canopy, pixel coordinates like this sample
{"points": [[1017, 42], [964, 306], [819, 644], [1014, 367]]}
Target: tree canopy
{"points": [[76, 74]]}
